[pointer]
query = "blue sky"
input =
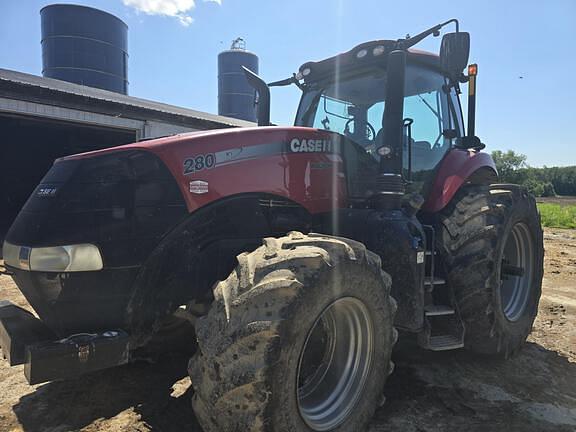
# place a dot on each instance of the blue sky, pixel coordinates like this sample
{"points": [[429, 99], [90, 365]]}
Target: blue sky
{"points": [[173, 50]]}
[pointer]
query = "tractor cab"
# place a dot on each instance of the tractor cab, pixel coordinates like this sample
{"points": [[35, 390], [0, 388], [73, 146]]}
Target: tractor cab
{"points": [[351, 101], [397, 107]]}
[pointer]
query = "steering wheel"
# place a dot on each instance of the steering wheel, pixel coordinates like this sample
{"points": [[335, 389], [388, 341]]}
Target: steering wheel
{"points": [[369, 132]]}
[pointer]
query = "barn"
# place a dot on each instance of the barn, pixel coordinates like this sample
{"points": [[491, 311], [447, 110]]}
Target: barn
{"points": [[42, 119]]}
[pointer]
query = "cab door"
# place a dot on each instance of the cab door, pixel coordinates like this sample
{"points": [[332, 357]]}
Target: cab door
{"points": [[432, 109]]}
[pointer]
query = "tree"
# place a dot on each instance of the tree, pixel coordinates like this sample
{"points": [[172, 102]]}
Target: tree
{"points": [[547, 181], [549, 190], [508, 163], [535, 187]]}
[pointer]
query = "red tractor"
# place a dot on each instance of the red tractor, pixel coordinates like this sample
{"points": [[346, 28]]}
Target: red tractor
{"points": [[298, 253]]}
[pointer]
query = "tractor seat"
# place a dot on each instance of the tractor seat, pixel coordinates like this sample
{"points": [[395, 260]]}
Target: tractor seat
{"points": [[423, 156], [379, 140]]}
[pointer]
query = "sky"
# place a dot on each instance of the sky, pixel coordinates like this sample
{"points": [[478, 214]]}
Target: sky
{"points": [[525, 49]]}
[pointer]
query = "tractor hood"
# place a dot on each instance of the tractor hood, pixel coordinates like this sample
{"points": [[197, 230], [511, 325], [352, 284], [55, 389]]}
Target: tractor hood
{"points": [[140, 190], [218, 139], [209, 165]]}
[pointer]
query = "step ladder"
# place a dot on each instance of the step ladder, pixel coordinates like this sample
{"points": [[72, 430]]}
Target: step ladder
{"points": [[443, 327]]}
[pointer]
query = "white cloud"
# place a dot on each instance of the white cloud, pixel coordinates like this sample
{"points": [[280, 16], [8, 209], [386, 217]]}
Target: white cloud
{"points": [[179, 9], [185, 20]]}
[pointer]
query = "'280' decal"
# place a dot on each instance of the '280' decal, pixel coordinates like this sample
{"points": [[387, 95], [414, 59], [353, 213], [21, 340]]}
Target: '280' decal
{"points": [[199, 163]]}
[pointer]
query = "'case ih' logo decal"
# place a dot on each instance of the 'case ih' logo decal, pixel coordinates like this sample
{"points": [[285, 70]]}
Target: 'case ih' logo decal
{"points": [[304, 145]]}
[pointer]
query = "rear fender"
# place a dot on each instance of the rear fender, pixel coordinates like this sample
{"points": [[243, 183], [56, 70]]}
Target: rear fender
{"points": [[457, 168]]}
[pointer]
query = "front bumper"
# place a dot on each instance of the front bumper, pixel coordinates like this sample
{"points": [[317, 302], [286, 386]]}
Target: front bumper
{"points": [[25, 339], [78, 302]]}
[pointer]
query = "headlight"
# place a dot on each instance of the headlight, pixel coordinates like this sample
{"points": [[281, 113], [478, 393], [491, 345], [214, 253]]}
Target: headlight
{"points": [[384, 151], [11, 254], [49, 259], [378, 50], [72, 258]]}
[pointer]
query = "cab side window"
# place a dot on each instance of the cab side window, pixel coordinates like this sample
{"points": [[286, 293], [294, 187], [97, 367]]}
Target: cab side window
{"points": [[436, 122]]}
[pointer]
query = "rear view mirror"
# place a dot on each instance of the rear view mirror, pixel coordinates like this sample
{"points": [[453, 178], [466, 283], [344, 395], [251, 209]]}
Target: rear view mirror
{"points": [[454, 52], [470, 142]]}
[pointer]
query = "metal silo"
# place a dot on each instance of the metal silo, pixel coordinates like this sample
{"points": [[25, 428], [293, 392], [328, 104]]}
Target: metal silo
{"points": [[235, 95], [86, 46]]}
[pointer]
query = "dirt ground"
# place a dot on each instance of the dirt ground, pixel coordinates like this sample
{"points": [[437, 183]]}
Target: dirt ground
{"points": [[562, 200], [428, 392]]}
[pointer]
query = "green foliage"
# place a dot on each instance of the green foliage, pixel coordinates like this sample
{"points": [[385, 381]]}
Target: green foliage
{"points": [[562, 178], [535, 187], [549, 190], [512, 168], [507, 163], [557, 216]]}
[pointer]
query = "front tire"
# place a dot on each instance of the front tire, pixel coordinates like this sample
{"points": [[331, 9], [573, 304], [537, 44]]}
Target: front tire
{"points": [[299, 339], [490, 240]]}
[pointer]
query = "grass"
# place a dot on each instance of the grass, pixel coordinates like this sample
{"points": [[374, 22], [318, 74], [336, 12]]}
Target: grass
{"points": [[558, 216]]}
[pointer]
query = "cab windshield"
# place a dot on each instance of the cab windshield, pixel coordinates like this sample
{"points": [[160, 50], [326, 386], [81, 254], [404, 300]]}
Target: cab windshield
{"points": [[354, 107]]}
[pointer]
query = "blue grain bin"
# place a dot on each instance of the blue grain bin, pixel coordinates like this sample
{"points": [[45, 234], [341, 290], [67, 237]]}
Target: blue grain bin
{"points": [[235, 95], [86, 46]]}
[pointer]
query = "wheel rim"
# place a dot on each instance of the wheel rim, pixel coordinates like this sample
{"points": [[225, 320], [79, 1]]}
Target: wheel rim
{"points": [[516, 272], [334, 364]]}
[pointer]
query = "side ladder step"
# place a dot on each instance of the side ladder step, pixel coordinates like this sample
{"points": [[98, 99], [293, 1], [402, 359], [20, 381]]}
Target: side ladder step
{"points": [[445, 342], [444, 330], [434, 280], [437, 310], [443, 327]]}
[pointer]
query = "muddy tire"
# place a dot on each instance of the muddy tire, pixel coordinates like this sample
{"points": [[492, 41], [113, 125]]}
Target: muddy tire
{"points": [[304, 320], [490, 240]]}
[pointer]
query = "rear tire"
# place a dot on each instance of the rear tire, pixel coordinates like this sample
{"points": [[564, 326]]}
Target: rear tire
{"points": [[268, 346], [485, 234]]}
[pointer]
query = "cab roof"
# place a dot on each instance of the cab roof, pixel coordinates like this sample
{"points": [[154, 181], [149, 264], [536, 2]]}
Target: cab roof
{"points": [[368, 54]]}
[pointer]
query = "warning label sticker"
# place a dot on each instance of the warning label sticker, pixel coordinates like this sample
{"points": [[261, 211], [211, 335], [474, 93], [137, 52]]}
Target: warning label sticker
{"points": [[198, 187]]}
